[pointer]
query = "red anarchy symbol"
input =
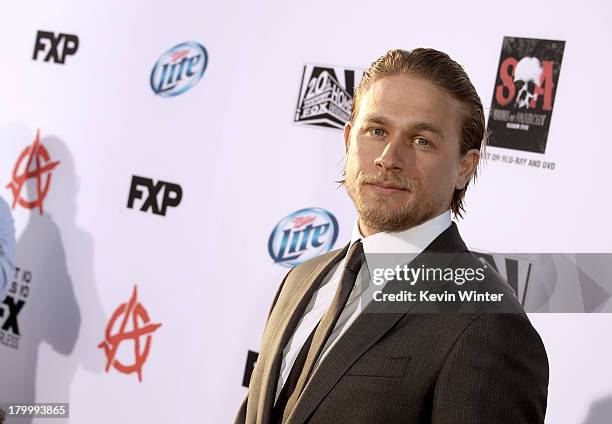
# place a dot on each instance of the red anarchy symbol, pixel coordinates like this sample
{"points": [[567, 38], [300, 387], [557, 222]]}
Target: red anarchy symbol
{"points": [[134, 310], [37, 154]]}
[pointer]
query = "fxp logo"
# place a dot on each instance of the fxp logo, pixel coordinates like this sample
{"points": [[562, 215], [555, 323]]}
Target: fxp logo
{"points": [[179, 69], [302, 235]]}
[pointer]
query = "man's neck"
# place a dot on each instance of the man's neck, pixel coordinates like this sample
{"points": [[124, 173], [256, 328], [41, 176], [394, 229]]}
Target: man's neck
{"points": [[367, 231]]}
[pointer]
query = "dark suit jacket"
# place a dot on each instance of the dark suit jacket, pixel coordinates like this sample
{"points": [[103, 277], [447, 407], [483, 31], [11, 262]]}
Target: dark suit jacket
{"points": [[399, 367]]}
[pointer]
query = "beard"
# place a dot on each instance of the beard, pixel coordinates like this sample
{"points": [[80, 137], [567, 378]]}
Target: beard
{"points": [[392, 212]]}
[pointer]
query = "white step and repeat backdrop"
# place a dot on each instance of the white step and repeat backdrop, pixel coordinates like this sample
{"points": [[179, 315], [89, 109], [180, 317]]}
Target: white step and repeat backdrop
{"points": [[166, 163]]}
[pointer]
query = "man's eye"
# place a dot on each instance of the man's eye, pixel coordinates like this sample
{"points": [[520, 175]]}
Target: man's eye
{"points": [[378, 132], [422, 141]]}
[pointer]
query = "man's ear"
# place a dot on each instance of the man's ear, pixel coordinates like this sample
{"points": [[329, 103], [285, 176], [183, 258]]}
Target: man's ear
{"points": [[347, 136], [467, 167]]}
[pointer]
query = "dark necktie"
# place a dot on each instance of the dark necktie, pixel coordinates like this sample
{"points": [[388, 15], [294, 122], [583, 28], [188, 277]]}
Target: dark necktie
{"points": [[306, 359]]}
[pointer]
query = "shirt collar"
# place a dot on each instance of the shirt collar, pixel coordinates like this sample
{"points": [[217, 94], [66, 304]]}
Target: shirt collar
{"points": [[412, 240]]}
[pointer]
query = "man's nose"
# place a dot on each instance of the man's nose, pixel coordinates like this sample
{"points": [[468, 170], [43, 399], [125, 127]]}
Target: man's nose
{"points": [[391, 157]]}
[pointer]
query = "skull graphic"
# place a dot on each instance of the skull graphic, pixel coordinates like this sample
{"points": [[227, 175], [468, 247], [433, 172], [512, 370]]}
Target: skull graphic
{"points": [[528, 72]]}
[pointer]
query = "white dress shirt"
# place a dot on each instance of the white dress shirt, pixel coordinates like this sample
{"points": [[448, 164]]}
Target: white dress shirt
{"points": [[413, 240]]}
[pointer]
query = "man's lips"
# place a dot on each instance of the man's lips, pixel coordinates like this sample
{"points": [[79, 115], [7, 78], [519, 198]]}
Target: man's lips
{"points": [[387, 189]]}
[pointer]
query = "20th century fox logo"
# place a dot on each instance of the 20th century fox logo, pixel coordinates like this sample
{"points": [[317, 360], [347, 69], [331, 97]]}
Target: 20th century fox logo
{"points": [[326, 96]]}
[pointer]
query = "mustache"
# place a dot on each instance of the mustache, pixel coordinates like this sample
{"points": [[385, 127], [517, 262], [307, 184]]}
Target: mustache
{"points": [[387, 180]]}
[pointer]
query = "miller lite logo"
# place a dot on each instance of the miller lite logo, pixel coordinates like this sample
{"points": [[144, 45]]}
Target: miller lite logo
{"points": [[179, 69], [302, 235], [524, 94], [326, 96]]}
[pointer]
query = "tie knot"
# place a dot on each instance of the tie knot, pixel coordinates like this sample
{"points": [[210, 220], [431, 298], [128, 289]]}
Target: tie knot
{"points": [[355, 257]]}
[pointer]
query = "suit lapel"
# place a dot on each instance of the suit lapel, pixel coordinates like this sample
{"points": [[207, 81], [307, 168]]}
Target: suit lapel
{"points": [[288, 312], [365, 331]]}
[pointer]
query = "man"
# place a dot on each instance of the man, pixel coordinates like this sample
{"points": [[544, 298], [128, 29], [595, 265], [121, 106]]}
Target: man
{"points": [[7, 247], [328, 355], [7, 256]]}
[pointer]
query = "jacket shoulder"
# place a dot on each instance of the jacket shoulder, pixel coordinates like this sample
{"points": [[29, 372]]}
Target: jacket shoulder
{"points": [[492, 282], [310, 265]]}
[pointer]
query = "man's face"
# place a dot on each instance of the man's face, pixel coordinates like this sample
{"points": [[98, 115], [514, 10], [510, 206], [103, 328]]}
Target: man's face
{"points": [[403, 160]]}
